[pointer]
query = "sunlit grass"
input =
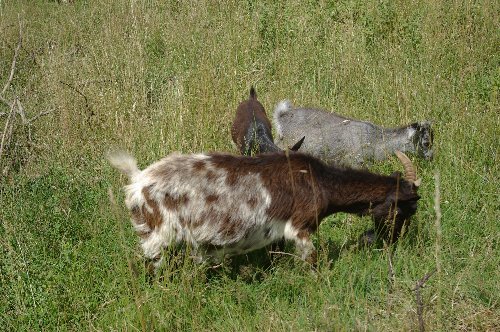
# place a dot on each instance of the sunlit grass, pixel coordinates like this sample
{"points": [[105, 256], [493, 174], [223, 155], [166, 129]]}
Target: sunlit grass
{"points": [[160, 76]]}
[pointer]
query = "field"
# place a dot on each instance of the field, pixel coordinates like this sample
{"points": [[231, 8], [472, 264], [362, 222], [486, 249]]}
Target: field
{"points": [[155, 77]]}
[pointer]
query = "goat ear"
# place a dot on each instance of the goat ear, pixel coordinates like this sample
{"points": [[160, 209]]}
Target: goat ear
{"points": [[253, 94], [415, 125], [422, 126], [297, 145]]}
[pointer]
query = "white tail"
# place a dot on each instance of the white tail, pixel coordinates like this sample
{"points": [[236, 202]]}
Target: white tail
{"points": [[282, 107], [124, 162]]}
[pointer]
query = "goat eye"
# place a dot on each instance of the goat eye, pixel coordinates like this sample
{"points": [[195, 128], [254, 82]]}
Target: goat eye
{"points": [[425, 143]]}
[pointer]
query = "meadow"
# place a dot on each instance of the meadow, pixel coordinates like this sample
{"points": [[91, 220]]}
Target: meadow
{"points": [[154, 77]]}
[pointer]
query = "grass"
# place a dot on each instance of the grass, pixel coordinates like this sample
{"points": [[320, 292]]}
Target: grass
{"points": [[160, 76]]}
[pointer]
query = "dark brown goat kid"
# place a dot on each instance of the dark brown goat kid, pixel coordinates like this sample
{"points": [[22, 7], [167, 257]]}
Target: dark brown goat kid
{"points": [[251, 130], [223, 205]]}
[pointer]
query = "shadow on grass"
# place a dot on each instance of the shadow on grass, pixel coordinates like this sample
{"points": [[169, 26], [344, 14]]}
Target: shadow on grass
{"points": [[257, 265]]}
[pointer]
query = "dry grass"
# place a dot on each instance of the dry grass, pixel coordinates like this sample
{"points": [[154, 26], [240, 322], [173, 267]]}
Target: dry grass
{"points": [[159, 76]]}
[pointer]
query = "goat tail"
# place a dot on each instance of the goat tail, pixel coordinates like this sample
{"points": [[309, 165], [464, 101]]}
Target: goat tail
{"points": [[124, 162], [282, 107]]}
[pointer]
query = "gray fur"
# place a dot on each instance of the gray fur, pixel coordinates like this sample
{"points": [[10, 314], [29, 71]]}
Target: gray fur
{"points": [[341, 140]]}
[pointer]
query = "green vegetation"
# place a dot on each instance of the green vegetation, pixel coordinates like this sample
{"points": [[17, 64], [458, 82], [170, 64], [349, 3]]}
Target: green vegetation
{"points": [[160, 76]]}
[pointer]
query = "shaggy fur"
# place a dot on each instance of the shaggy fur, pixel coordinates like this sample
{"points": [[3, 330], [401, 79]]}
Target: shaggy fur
{"points": [[222, 204]]}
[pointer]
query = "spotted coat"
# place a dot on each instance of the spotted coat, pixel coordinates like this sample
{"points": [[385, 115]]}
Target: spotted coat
{"points": [[223, 205]]}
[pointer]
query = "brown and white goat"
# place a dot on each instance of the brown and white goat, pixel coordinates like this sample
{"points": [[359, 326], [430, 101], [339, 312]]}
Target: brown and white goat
{"points": [[222, 204], [251, 129]]}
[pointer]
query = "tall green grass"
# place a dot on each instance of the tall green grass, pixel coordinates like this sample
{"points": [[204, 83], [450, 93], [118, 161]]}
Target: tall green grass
{"points": [[160, 76]]}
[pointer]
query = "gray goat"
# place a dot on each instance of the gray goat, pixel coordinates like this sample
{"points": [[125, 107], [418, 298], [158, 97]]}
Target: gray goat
{"points": [[338, 139]]}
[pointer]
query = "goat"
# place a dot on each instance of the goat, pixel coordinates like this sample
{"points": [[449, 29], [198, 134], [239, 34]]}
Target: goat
{"points": [[251, 129], [338, 139], [223, 205]]}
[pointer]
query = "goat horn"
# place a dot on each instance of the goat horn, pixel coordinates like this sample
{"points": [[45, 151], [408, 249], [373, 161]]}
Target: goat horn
{"points": [[410, 173]]}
